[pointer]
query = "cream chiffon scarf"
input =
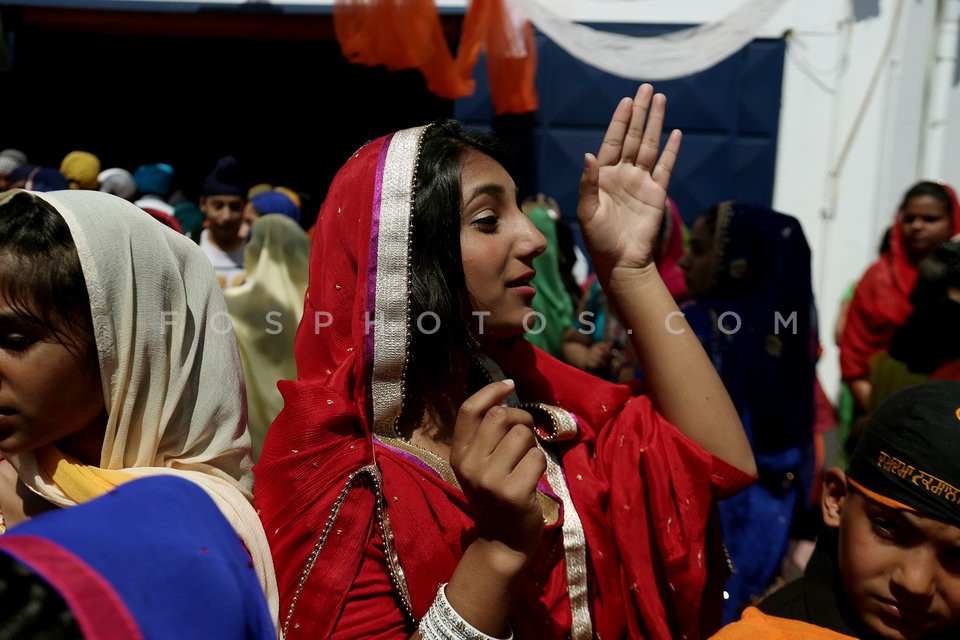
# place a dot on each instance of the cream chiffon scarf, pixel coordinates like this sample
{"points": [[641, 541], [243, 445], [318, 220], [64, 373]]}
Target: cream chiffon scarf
{"points": [[172, 378], [266, 311]]}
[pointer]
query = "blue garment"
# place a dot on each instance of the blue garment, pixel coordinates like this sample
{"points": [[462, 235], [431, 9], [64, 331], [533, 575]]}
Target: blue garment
{"points": [[759, 327], [159, 543]]}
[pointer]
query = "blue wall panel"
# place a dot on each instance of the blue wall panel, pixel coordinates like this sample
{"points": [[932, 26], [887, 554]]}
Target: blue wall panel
{"points": [[729, 115]]}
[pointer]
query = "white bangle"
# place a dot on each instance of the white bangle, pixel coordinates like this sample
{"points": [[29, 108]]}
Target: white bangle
{"points": [[442, 622]]}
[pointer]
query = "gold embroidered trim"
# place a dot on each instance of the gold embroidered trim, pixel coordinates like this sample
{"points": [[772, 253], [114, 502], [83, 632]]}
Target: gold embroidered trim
{"points": [[391, 331], [574, 540], [575, 553], [318, 547], [564, 426], [436, 462], [394, 568]]}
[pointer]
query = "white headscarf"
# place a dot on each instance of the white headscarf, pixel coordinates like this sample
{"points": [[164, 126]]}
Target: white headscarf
{"points": [[172, 379]]}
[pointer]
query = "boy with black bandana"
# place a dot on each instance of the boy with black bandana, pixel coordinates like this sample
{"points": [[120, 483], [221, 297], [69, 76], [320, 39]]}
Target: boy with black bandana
{"points": [[888, 563]]}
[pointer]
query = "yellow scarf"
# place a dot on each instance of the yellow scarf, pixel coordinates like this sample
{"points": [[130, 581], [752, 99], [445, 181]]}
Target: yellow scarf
{"points": [[78, 482]]}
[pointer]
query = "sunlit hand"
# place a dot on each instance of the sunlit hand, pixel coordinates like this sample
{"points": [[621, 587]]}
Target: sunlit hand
{"points": [[624, 187]]}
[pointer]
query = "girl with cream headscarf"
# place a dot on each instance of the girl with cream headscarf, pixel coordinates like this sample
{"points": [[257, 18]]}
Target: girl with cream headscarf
{"points": [[117, 360]]}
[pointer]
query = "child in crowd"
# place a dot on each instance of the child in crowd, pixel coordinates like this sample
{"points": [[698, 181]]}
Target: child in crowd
{"points": [[117, 360], [888, 563], [222, 203]]}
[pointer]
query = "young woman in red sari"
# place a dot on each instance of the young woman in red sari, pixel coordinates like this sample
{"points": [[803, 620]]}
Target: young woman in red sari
{"points": [[432, 474], [928, 216]]}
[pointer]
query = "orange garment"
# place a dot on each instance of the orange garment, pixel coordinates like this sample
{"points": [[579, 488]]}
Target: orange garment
{"points": [[755, 624], [407, 34]]}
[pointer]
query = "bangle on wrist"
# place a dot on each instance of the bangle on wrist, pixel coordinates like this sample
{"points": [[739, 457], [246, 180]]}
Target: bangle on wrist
{"points": [[442, 622]]}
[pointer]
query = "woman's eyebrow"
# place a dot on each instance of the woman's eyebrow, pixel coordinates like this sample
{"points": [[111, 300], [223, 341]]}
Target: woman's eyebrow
{"points": [[485, 189]]}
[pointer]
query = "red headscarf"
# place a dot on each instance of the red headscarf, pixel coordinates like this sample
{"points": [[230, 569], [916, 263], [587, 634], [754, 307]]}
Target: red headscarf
{"points": [[630, 554], [881, 302]]}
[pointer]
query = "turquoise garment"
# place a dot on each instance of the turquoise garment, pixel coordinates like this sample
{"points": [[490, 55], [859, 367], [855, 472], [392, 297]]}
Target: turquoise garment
{"points": [[552, 300]]}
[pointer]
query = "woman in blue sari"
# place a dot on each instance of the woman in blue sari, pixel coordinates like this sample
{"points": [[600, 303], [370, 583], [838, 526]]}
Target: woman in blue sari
{"points": [[748, 277]]}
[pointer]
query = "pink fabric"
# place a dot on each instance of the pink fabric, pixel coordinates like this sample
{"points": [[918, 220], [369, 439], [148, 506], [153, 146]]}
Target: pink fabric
{"points": [[98, 609], [670, 254]]}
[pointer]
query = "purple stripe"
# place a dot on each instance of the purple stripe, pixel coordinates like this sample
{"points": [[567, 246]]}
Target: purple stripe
{"points": [[409, 457]]}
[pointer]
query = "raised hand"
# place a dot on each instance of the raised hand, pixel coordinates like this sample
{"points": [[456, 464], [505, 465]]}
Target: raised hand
{"points": [[495, 458], [623, 188]]}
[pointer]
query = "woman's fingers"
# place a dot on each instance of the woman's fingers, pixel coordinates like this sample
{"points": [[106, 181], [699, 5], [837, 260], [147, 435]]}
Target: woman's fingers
{"points": [[475, 408], [668, 159], [635, 130], [650, 146], [611, 148], [497, 426], [633, 135]]}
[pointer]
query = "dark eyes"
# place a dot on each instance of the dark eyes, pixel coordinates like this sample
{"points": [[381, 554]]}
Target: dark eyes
{"points": [[16, 342], [486, 223], [927, 219], [884, 528]]}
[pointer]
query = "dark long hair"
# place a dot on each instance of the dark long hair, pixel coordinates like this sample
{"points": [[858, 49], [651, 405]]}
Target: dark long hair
{"points": [[437, 280], [40, 274]]}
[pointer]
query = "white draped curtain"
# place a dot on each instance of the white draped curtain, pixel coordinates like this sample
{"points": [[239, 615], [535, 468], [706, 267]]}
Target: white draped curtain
{"points": [[663, 57]]}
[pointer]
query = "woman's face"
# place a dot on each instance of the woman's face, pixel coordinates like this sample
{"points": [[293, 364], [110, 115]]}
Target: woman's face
{"points": [[925, 224], [48, 392], [699, 263], [498, 244]]}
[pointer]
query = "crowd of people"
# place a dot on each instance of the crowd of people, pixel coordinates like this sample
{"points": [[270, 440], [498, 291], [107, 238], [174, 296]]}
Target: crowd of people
{"points": [[434, 415]]}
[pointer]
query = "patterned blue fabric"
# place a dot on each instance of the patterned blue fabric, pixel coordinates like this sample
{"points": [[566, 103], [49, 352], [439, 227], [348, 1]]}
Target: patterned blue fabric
{"points": [[759, 326]]}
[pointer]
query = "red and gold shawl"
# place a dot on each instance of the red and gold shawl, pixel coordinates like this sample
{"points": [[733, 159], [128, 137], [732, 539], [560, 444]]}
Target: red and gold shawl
{"points": [[633, 552], [881, 301]]}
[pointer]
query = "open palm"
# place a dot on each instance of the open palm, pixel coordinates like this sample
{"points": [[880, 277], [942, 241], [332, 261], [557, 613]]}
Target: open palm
{"points": [[623, 188]]}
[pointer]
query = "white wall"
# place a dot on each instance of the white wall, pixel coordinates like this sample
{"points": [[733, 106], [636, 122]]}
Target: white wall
{"points": [[853, 128]]}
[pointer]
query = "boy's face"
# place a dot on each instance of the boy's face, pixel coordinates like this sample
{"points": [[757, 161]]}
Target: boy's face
{"points": [[900, 570], [225, 214]]}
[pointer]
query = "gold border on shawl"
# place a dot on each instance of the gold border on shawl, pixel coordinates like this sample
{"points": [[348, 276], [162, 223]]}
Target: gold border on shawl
{"points": [[391, 329], [429, 458], [393, 558], [563, 425], [574, 540], [575, 552], [369, 470], [394, 568]]}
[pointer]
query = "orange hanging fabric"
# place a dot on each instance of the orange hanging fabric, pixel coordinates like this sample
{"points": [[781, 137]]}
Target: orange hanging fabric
{"points": [[407, 34], [511, 62]]}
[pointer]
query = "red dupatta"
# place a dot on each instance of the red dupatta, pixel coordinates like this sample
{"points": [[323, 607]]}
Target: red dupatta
{"points": [[881, 301], [632, 560]]}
